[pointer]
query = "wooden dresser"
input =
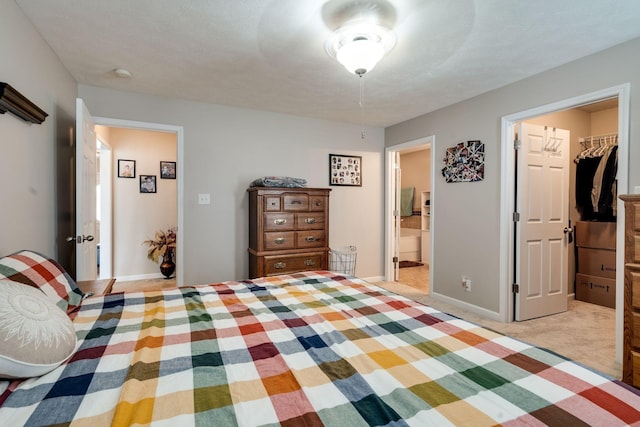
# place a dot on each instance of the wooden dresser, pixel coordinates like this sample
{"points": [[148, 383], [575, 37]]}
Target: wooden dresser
{"points": [[631, 333], [288, 230]]}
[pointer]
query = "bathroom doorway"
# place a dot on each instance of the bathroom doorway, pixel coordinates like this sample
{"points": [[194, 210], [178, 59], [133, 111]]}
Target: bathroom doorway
{"points": [[409, 213]]}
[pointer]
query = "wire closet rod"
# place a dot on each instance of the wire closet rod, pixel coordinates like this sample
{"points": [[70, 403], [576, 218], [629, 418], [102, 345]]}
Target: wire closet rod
{"points": [[594, 138]]}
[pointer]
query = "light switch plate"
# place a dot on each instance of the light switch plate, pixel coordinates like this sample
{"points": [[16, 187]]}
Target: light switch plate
{"points": [[204, 199]]}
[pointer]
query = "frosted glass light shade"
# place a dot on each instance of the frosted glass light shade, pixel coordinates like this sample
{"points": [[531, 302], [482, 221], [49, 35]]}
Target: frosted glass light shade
{"points": [[360, 55]]}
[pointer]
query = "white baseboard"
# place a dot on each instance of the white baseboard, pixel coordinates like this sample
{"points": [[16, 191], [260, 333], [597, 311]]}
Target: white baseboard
{"points": [[493, 315]]}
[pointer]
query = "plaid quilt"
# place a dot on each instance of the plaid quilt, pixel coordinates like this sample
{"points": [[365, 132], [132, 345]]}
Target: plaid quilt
{"points": [[308, 349]]}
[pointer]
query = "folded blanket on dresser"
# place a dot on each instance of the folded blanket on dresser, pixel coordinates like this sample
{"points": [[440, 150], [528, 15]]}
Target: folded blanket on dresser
{"points": [[279, 181]]}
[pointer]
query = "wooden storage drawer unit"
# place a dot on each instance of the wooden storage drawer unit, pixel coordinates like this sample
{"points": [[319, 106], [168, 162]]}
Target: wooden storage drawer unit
{"points": [[288, 230], [285, 264], [631, 335]]}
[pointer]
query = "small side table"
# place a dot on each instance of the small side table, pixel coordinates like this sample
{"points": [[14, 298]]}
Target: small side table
{"points": [[97, 287]]}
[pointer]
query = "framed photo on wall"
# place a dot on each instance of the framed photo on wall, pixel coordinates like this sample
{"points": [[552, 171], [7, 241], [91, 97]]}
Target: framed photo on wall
{"points": [[167, 170], [126, 168], [345, 170], [147, 183]]}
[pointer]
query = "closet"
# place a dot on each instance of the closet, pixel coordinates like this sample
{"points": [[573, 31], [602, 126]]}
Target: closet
{"points": [[595, 197], [591, 266]]}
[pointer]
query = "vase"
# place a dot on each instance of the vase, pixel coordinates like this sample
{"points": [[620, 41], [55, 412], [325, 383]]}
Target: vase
{"points": [[167, 267]]}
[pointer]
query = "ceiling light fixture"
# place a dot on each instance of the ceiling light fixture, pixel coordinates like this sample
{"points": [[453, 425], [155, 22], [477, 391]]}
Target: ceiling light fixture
{"points": [[359, 45]]}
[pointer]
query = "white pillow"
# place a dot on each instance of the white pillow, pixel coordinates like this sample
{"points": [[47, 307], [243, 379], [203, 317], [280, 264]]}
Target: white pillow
{"points": [[36, 336]]}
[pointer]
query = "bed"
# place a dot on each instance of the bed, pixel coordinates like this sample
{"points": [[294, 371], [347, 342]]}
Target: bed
{"points": [[313, 348]]}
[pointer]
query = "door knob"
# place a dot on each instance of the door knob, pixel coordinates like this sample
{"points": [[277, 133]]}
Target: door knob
{"points": [[569, 230], [79, 239]]}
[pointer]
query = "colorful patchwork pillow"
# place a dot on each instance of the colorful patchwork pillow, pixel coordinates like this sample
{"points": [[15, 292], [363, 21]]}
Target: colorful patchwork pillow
{"points": [[36, 335], [34, 269]]}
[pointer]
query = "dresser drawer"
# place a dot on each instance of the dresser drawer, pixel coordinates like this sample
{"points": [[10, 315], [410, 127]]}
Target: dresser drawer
{"points": [[310, 239], [635, 337], [634, 277], [275, 240], [310, 221], [636, 368], [295, 202], [272, 203], [291, 263], [279, 221], [317, 203]]}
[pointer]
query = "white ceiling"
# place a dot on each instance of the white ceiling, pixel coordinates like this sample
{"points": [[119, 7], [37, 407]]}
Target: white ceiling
{"points": [[270, 54]]}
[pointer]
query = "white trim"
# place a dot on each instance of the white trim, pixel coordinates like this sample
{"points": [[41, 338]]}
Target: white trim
{"points": [[179, 131], [487, 314], [106, 213], [622, 92], [428, 141]]}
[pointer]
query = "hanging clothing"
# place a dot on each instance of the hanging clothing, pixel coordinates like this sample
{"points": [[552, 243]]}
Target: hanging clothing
{"points": [[585, 171], [596, 186], [607, 199]]}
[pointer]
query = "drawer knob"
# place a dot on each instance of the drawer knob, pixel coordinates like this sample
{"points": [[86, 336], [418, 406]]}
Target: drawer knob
{"points": [[279, 221], [279, 241], [310, 220], [279, 265], [309, 262], [310, 239]]}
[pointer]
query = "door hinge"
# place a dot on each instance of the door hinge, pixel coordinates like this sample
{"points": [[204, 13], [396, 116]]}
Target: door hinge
{"points": [[396, 213], [517, 144], [515, 288], [395, 259], [516, 216]]}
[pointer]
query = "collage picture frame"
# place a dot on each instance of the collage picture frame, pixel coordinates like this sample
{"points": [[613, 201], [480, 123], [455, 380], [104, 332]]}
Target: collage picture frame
{"points": [[345, 170]]}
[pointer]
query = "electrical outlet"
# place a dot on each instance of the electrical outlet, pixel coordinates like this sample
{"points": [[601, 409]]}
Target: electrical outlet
{"points": [[466, 283], [204, 199]]}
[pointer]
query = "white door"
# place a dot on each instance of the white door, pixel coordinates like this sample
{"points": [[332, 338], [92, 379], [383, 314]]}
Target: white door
{"points": [[86, 254], [397, 181], [542, 231]]}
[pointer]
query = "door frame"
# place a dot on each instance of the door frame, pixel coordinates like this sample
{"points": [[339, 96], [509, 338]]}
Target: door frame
{"points": [[179, 132], [390, 200], [106, 218], [507, 188]]}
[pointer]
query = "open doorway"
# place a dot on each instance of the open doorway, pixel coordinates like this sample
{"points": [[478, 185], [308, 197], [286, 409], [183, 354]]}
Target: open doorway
{"points": [[129, 207], [408, 219], [509, 235]]}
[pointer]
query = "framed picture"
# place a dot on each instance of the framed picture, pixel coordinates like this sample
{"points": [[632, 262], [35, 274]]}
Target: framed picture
{"points": [[345, 170], [464, 162], [167, 170], [126, 168], [147, 183]]}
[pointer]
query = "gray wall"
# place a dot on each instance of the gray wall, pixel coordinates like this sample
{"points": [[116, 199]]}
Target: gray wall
{"points": [[466, 215], [226, 148], [28, 151]]}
